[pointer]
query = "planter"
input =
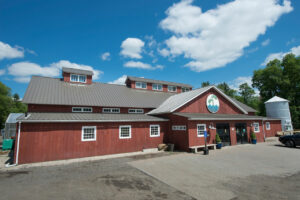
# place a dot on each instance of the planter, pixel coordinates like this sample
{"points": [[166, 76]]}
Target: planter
{"points": [[253, 141], [219, 145]]}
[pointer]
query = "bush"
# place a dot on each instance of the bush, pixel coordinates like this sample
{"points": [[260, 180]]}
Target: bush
{"points": [[218, 139], [252, 135]]}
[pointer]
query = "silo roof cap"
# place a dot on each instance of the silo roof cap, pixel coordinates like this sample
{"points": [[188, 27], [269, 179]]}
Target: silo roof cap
{"points": [[276, 99]]}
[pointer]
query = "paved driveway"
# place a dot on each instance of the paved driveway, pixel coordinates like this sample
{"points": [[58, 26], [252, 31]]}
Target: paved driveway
{"points": [[261, 171]]}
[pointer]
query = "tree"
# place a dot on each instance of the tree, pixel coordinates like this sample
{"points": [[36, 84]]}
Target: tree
{"points": [[227, 90], [281, 78], [204, 84], [246, 92]]}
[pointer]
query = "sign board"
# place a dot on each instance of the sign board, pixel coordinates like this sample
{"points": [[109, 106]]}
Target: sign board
{"points": [[212, 103]]}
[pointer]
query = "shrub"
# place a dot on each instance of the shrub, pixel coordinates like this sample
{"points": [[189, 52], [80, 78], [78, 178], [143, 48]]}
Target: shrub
{"points": [[218, 139], [252, 135]]}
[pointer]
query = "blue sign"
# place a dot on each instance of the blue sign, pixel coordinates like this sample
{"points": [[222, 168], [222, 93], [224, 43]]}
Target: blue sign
{"points": [[205, 133]]}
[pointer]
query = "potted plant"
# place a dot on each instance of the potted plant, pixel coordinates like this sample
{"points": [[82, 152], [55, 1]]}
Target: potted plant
{"points": [[218, 141], [253, 137]]}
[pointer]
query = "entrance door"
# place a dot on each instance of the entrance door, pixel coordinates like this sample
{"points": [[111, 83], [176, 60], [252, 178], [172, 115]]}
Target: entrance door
{"points": [[241, 133], [224, 132]]}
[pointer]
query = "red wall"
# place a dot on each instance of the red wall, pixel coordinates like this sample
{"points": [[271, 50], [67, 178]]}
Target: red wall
{"points": [[56, 141], [198, 105], [67, 78], [65, 108], [275, 127]]}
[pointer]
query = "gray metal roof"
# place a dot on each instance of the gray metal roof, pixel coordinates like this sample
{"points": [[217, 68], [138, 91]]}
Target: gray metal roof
{"points": [[43, 90], [87, 117], [204, 116], [77, 71], [176, 101], [12, 117], [157, 81]]}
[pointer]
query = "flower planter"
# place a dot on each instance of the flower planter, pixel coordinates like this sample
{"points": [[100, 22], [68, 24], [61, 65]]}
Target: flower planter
{"points": [[253, 141], [219, 145]]}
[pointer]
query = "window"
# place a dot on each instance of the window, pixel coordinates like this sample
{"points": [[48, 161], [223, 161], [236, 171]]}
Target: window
{"points": [[111, 110], [256, 127], [172, 88], [185, 89], [154, 130], [268, 126], [141, 85], [156, 86], [82, 109], [135, 111], [179, 128], [88, 133], [78, 78], [124, 132], [200, 130]]}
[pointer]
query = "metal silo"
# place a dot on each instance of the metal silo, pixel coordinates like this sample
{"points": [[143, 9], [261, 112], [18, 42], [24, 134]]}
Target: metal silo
{"points": [[277, 107]]}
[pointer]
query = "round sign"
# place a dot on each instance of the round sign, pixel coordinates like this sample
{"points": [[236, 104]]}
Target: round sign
{"points": [[212, 103]]}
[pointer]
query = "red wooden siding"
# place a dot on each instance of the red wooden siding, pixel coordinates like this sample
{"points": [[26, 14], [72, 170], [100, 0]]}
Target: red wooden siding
{"points": [[56, 141], [198, 105]]}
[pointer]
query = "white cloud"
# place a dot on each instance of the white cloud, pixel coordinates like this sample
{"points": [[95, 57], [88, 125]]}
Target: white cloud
{"points": [[164, 52], [132, 48], [105, 56], [217, 37], [234, 84], [2, 72], [280, 55], [119, 81], [6, 51], [24, 70], [141, 65], [265, 43]]}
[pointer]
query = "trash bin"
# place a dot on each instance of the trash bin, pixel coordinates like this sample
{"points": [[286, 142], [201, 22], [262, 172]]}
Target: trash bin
{"points": [[171, 147], [7, 144]]}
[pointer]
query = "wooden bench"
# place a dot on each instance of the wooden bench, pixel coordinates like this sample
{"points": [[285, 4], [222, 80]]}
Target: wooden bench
{"points": [[194, 149]]}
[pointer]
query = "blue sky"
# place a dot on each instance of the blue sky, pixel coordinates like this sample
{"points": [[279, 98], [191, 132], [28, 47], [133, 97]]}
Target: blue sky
{"points": [[182, 41]]}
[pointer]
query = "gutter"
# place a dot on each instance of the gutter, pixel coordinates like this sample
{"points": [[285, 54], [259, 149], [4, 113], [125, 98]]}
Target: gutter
{"points": [[154, 120]]}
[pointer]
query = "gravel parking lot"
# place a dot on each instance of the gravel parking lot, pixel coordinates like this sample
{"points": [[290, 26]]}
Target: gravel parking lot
{"points": [[262, 171]]}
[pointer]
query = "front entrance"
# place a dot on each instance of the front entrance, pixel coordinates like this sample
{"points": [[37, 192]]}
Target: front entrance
{"points": [[241, 133], [224, 132]]}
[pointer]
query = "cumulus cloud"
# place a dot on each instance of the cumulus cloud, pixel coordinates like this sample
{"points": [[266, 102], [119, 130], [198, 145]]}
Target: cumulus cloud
{"points": [[2, 72], [265, 43], [132, 48], [217, 37], [24, 70], [105, 56], [280, 55], [8, 52], [119, 81], [141, 65]]}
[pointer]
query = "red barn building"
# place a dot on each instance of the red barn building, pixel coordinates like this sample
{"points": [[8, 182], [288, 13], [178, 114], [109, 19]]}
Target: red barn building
{"points": [[74, 117]]}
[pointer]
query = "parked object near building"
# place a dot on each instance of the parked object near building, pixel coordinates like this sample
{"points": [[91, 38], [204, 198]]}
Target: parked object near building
{"points": [[277, 107]]}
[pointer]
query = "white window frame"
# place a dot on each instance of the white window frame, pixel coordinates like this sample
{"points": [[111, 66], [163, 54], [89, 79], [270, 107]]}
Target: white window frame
{"points": [[172, 87], [78, 79], [82, 109], [141, 85], [158, 129], [254, 126], [179, 128], [268, 126], [91, 139], [110, 110], [135, 111], [200, 135], [185, 89], [124, 126], [157, 84]]}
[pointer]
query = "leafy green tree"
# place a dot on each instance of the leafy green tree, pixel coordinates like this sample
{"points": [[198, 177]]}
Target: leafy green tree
{"points": [[227, 90], [204, 84], [246, 92]]}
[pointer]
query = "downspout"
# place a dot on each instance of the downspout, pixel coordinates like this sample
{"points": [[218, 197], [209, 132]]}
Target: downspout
{"points": [[18, 144], [263, 127]]}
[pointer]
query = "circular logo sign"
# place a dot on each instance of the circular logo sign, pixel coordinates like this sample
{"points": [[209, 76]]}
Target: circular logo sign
{"points": [[212, 103]]}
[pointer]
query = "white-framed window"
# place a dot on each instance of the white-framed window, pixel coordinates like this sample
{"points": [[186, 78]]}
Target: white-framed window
{"points": [[132, 110], [172, 88], [179, 128], [268, 126], [156, 86], [111, 110], [200, 130], [78, 78], [82, 109], [154, 130], [125, 132], [88, 133], [184, 89], [256, 127], [141, 85]]}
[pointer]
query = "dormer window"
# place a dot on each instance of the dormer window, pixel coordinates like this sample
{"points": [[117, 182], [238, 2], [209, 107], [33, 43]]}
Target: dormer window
{"points": [[141, 85], [185, 89], [78, 78], [156, 86], [172, 88]]}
